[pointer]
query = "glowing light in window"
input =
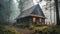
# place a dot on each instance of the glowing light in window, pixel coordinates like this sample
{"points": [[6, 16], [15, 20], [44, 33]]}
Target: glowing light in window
{"points": [[34, 19]]}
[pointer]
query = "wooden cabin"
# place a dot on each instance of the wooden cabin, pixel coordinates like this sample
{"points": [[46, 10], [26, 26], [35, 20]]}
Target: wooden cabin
{"points": [[33, 15]]}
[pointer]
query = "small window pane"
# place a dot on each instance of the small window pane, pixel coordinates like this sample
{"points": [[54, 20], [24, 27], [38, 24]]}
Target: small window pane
{"points": [[34, 19], [40, 21]]}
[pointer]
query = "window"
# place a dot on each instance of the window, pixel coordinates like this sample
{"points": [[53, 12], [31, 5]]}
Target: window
{"points": [[34, 19], [40, 20]]}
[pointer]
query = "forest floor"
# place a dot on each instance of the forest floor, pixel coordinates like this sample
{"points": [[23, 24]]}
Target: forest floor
{"points": [[21, 30], [17, 30], [24, 30]]}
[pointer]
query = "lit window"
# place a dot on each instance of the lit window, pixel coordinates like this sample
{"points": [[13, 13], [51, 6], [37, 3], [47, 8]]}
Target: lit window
{"points": [[40, 20], [34, 19]]}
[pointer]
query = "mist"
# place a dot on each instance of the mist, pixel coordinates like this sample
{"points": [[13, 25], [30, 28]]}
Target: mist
{"points": [[14, 9], [8, 11]]}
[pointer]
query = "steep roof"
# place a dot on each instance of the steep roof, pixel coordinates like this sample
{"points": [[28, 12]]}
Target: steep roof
{"points": [[33, 11]]}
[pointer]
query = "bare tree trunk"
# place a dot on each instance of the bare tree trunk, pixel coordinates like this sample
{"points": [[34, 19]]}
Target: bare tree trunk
{"points": [[57, 12], [50, 13], [54, 15]]}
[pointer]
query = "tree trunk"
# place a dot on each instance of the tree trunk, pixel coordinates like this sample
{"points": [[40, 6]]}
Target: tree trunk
{"points": [[57, 12]]}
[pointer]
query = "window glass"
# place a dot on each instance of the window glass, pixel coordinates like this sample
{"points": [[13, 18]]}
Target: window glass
{"points": [[34, 19], [40, 20]]}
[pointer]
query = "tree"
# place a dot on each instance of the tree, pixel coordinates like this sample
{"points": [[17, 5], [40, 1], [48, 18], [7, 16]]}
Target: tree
{"points": [[4, 11], [48, 7], [21, 3], [57, 12]]}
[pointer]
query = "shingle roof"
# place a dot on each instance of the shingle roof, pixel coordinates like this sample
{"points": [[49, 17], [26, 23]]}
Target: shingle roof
{"points": [[34, 9]]}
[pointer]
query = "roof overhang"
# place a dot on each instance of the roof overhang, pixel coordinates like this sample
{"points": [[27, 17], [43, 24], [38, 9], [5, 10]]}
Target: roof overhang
{"points": [[37, 16]]}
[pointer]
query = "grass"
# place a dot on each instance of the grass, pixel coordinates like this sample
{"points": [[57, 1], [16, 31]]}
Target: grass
{"points": [[12, 29], [6, 29], [54, 27], [40, 28], [48, 28]]}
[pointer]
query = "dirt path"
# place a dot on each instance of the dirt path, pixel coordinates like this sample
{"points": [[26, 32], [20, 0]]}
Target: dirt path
{"points": [[25, 31]]}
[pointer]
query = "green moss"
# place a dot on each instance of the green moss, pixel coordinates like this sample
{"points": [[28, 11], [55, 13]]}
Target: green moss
{"points": [[8, 30]]}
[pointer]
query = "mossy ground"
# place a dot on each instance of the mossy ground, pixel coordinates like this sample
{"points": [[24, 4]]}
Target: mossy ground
{"points": [[6, 29]]}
